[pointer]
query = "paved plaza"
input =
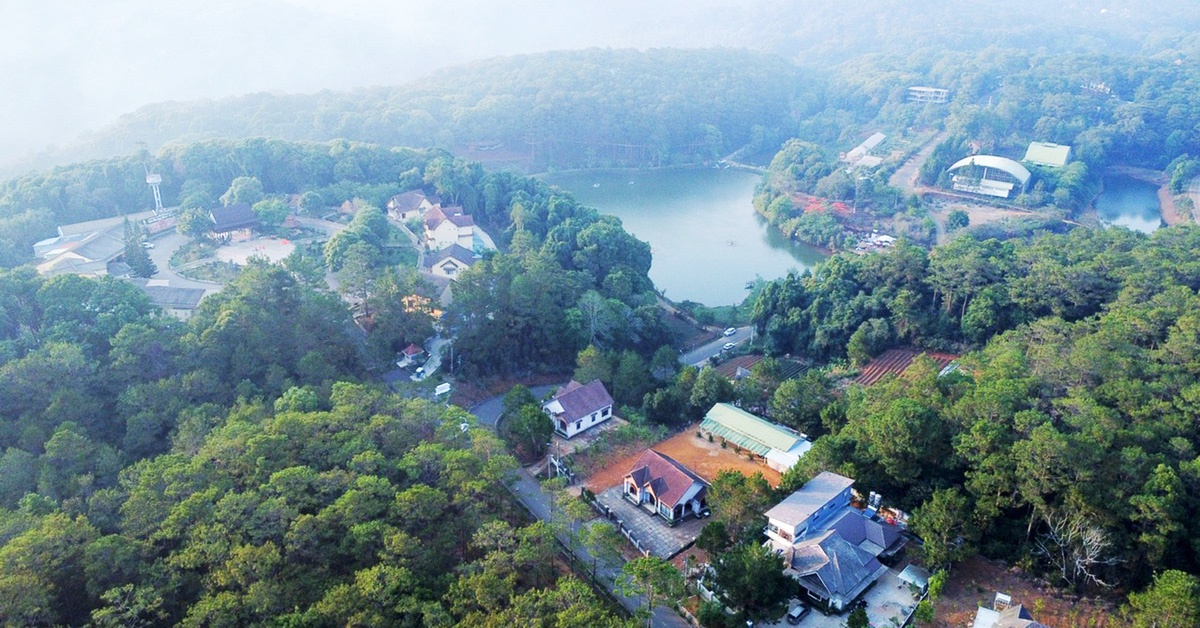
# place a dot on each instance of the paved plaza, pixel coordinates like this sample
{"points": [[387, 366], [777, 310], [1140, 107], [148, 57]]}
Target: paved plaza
{"points": [[651, 530]]}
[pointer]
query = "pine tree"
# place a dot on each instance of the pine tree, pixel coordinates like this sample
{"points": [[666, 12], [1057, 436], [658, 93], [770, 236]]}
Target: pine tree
{"points": [[136, 255]]}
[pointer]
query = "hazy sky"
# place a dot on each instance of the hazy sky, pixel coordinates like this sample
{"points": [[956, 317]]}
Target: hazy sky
{"points": [[67, 67]]}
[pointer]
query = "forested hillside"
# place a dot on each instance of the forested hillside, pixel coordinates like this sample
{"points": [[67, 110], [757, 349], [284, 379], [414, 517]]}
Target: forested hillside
{"points": [[565, 109], [1074, 411]]}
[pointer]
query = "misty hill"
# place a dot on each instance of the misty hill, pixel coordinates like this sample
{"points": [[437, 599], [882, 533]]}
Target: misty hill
{"points": [[577, 108]]}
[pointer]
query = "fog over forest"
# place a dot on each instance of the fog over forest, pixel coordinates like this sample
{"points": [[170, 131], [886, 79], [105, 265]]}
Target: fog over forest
{"points": [[69, 68]]}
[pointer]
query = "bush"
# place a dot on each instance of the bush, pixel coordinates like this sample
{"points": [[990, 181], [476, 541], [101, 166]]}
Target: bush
{"points": [[713, 615]]}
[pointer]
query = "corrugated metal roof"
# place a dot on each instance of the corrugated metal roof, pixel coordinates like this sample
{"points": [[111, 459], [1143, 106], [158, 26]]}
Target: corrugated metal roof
{"points": [[748, 431], [1048, 154], [1019, 172]]}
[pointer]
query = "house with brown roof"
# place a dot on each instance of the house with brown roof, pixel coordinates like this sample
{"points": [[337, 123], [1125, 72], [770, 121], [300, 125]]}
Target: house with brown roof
{"points": [[662, 486], [577, 407], [446, 226]]}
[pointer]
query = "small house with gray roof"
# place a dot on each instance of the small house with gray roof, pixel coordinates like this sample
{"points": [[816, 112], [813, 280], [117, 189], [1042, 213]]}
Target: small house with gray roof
{"points": [[662, 486], [410, 204], [831, 570], [577, 407]]}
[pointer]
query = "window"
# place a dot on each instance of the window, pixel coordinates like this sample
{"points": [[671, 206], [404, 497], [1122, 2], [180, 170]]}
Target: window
{"points": [[593, 418], [578, 424], [607, 411]]}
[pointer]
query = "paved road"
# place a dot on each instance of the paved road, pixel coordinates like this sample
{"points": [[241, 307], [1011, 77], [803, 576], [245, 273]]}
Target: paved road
{"points": [[488, 412], [529, 492], [698, 356], [164, 247]]}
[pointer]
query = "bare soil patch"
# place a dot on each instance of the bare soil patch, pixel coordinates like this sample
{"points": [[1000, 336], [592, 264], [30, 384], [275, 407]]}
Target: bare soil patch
{"points": [[702, 457], [977, 579]]}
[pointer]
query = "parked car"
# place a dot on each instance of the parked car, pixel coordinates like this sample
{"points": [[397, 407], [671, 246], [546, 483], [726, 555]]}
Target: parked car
{"points": [[796, 614], [728, 346], [731, 331], [148, 245]]}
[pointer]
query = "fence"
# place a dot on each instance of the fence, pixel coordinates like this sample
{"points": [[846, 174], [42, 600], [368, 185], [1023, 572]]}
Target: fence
{"points": [[560, 468], [612, 517]]}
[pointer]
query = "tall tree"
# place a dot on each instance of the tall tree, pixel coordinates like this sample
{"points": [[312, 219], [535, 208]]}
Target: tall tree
{"points": [[136, 255]]}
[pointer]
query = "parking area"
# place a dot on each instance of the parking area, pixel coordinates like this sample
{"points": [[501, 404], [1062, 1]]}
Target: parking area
{"points": [[889, 603], [651, 531]]}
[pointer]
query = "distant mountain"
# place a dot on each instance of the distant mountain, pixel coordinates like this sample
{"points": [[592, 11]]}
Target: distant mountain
{"points": [[566, 109]]}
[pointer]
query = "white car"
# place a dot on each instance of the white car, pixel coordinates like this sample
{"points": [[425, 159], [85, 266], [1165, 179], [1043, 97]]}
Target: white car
{"points": [[728, 346], [731, 331]]}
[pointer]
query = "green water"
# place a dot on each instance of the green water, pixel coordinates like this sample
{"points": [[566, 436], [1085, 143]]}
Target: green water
{"points": [[706, 238], [1129, 202]]}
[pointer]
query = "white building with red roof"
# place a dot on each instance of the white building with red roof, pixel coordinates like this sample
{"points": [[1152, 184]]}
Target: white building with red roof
{"points": [[577, 407], [659, 484]]}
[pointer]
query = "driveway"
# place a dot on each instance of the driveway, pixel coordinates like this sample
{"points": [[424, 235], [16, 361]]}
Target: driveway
{"points": [[164, 247], [488, 412], [651, 531], [889, 602], [699, 356]]}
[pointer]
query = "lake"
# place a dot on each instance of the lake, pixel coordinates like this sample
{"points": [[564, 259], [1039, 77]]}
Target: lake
{"points": [[706, 238], [1129, 202]]}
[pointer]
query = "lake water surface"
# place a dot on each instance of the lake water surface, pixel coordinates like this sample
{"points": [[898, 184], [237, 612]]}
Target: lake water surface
{"points": [[706, 238], [1129, 202]]}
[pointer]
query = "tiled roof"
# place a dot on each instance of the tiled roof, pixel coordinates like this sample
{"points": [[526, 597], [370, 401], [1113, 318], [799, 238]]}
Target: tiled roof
{"points": [[175, 298], [667, 478], [578, 400], [461, 220], [413, 350], [407, 201], [729, 369], [817, 492], [857, 529], [842, 568], [456, 251], [896, 361], [233, 217]]}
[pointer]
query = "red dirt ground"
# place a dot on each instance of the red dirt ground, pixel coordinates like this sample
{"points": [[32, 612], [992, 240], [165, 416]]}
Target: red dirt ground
{"points": [[977, 580], [704, 458]]}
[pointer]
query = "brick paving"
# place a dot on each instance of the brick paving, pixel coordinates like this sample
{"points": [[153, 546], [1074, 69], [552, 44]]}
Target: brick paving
{"points": [[651, 530]]}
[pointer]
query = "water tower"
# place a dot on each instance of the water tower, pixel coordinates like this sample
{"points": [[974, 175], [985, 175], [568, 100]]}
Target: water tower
{"points": [[153, 180]]}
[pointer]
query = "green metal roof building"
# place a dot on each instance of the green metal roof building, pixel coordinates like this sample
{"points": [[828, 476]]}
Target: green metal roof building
{"points": [[1047, 154], [780, 446]]}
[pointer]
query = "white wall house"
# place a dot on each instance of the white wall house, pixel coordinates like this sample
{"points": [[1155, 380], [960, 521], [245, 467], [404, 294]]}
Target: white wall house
{"points": [[577, 407], [662, 486]]}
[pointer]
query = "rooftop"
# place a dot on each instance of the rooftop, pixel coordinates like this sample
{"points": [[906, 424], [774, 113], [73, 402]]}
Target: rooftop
{"points": [[579, 400], [817, 492], [896, 361], [748, 431], [667, 478], [233, 217], [1048, 154]]}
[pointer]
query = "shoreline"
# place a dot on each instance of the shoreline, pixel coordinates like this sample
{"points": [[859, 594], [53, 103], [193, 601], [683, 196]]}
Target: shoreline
{"points": [[698, 164], [1166, 200]]}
